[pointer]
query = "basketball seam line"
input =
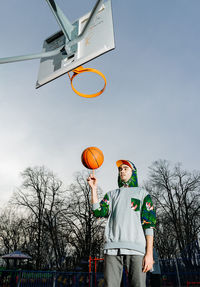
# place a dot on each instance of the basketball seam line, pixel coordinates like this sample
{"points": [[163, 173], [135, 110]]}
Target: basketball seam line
{"points": [[99, 152], [94, 157]]}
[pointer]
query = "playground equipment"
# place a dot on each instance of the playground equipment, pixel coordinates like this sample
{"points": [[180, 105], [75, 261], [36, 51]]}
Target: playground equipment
{"points": [[95, 269]]}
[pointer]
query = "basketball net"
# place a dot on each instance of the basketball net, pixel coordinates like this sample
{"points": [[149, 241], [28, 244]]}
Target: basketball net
{"points": [[80, 70]]}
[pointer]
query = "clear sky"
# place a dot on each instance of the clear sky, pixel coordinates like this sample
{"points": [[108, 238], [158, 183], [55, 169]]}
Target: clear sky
{"points": [[149, 110]]}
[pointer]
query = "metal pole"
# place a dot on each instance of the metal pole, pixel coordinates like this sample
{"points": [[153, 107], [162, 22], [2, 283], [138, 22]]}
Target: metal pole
{"points": [[95, 270], [19, 279], [54, 279], [177, 271], [90, 268]]}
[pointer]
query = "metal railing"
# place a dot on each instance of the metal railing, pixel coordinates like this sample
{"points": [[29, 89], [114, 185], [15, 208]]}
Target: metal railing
{"points": [[173, 273], [25, 278]]}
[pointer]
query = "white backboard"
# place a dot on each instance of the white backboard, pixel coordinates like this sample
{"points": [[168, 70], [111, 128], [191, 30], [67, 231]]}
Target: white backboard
{"points": [[98, 40]]}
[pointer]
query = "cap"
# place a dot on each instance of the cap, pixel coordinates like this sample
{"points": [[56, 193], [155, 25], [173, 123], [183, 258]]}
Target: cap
{"points": [[126, 162]]}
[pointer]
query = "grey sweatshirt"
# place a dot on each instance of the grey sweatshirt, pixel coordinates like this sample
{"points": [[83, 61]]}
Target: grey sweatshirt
{"points": [[131, 216]]}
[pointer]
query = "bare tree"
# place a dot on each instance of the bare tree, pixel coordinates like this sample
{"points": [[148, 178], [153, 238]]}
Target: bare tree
{"points": [[41, 196], [11, 231], [60, 229], [86, 232], [176, 194]]}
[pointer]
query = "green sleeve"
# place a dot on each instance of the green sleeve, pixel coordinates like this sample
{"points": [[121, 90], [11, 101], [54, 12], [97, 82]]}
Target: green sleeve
{"points": [[148, 216], [103, 209]]}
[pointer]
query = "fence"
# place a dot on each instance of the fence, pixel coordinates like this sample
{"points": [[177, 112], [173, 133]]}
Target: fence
{"points": [[174, 274], [25, 278]]}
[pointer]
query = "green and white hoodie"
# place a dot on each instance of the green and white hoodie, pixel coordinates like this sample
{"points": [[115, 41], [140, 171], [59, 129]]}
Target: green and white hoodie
{"points": [[131, 216]]}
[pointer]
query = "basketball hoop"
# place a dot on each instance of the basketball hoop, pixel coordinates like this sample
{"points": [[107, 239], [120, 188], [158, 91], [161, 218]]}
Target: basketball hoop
{"points": [[80, 70]]}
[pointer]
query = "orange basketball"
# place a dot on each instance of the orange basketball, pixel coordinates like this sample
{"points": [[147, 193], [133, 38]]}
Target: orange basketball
{"points": [[92, 157]]}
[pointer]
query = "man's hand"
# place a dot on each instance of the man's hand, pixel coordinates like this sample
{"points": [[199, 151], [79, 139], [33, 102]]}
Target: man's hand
{"points": [[92, 181], [147, 263]]}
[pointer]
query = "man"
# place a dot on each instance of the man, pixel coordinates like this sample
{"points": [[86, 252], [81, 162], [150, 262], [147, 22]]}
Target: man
{"points": [[129, 229]]}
